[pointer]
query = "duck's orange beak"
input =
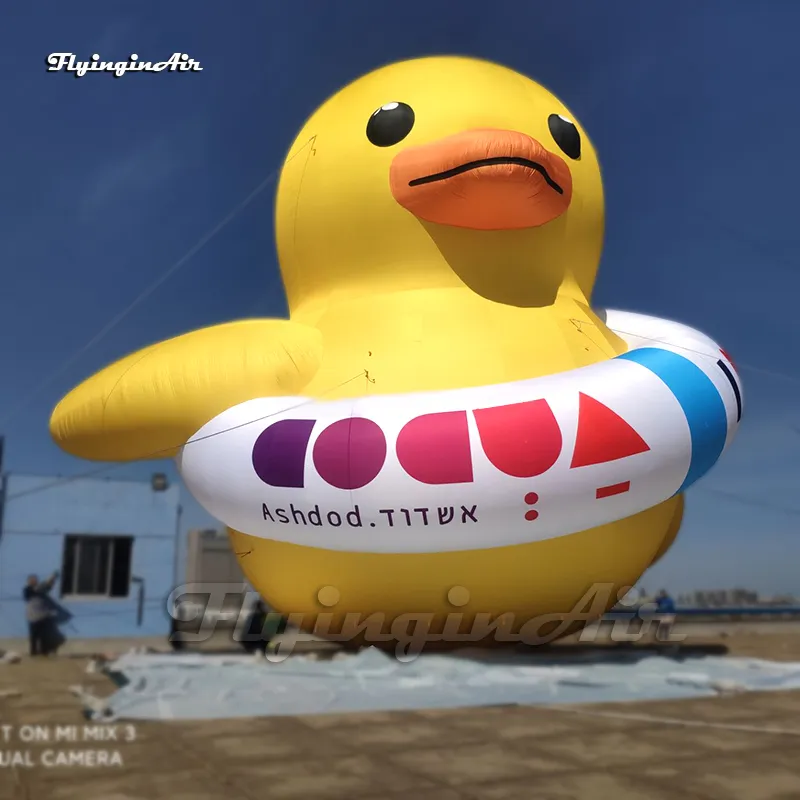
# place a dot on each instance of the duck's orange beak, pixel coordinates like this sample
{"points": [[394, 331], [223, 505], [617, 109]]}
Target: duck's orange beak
{"points": [[484, 179]]}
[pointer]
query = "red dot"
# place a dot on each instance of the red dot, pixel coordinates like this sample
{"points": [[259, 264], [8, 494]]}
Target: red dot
{"points": [[531, 498], [531, 515]]}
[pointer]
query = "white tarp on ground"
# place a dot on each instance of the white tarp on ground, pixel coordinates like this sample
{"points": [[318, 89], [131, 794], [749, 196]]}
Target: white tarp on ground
{"points": [[194, 686]]}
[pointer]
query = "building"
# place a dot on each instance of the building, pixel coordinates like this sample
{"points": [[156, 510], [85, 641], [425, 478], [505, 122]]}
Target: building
{"points": [[214, 579], [210, 559], [116, 544], [725, 598]]}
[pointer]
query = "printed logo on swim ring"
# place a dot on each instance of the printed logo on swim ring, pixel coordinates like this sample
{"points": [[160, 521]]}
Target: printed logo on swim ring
{"points": [[521, 440]]}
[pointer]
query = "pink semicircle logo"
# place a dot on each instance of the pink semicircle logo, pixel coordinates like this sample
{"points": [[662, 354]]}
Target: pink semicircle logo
{"points": [[350, 453]]}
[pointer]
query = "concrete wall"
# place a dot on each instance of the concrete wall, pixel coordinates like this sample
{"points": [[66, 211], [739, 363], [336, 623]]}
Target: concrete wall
{"points": [[211, 564], [210, 558], [37, 515]]}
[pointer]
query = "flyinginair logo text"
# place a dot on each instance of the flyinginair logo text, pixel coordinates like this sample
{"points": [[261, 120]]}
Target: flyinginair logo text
{"points": [[68, 62]]}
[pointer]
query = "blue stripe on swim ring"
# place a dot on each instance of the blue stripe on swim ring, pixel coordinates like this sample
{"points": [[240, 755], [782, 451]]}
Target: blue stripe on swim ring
{"points": [[701, 403]]}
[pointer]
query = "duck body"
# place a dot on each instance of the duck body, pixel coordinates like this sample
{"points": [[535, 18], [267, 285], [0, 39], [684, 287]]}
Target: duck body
{"points": [[439, 224], [510, 475], [437, 339]]}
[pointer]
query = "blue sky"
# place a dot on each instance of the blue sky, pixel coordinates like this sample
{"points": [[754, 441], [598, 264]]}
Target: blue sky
{"points": [[692, 107]]}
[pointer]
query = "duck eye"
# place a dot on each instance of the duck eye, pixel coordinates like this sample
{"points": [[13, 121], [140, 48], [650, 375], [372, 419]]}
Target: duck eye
{"points": [[565, 135], [390, 124]]}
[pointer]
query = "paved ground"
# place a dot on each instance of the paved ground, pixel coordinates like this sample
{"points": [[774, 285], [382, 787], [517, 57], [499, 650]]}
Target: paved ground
{"points": [[736, 748]]}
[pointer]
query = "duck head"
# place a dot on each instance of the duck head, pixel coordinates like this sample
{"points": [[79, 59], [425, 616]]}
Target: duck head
{"points": [[441, 172]]}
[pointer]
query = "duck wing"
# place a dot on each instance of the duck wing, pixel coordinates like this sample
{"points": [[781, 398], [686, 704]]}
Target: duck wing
{"points": [[148, 404]]}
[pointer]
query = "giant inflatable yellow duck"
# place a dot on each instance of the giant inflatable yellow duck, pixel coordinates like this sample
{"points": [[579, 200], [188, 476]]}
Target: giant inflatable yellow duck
{"points": [[443, 423]]}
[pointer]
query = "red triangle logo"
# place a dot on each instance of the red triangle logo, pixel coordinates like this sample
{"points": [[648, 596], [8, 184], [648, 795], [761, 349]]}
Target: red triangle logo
{"points": [[603, 435]]}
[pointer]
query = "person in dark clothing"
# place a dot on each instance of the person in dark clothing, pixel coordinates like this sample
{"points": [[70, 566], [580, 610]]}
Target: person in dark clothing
{"points": [[665, 611], [261, 626], [39, 613], [664, 603], [253, 639]]}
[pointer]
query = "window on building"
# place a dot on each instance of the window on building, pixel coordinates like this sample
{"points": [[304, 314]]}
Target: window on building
{"points": [[96, 566]]}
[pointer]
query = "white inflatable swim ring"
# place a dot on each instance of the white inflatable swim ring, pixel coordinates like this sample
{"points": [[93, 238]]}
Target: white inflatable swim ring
{"points": [[478, 467]]}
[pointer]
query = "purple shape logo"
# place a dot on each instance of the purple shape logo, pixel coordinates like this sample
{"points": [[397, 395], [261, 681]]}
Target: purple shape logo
{"points": [[279, 454], [350, 453]]}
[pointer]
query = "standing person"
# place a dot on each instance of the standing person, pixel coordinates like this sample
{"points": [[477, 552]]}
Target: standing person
{"points": [[261, 627], [253, 639], [39, 613], [664, 603], [665, 609]]}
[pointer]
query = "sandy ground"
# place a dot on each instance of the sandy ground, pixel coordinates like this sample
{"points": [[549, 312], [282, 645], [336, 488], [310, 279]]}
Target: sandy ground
{"points": [[744, 747]]}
